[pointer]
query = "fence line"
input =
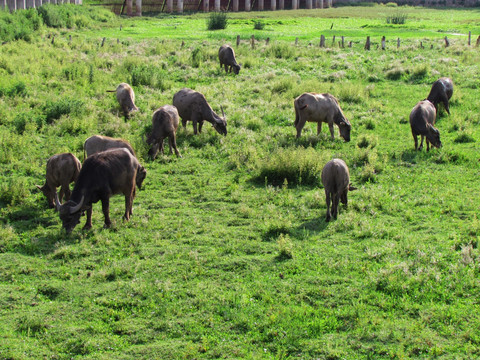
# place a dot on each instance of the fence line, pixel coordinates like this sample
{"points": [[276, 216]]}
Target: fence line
{"points": [[14, 5]]}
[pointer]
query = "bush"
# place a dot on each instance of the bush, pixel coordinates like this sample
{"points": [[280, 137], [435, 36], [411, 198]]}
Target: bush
{"points": [[15, 89], [148, 75], [397, 19], [19, 25], [258, 25], [13, 191], [53, 110], [217, 21]]}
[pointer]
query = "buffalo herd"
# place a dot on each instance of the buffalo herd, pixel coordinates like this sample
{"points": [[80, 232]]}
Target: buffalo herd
{"points": [[111, 166]]}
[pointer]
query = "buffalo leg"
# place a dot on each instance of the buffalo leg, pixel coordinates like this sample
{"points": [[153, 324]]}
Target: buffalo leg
{"points": [[299, 127], [128, 205], [160, 146], [88, 223], [106, 212], [173, 144], [415, 139], [195, 120], [445, 103], [335, 205], [200, 125], [330, 126], [319, 128], [184, 124], [67, 192], [327, 198], [421, 142], [428, 144], [226, 68]]}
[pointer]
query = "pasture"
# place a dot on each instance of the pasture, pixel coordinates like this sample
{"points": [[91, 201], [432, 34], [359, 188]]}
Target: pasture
{"points": [[227, 254]]}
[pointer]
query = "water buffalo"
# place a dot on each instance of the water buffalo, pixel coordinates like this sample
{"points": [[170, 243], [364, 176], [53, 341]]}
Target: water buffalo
{"points": [[422, 119], [164, 124], [192, 105], [62, 169], [336, 181], [126, 98], [320, 108], [98, 143], [226, 55], [103, 175], [441, 92]]}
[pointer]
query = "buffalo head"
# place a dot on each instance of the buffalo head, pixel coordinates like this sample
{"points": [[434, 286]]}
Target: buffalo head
{"points": [[70, 213]]}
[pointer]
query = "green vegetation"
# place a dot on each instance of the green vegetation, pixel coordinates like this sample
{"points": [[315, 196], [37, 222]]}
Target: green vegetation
{"points": [[228, 254], [217, 21]]}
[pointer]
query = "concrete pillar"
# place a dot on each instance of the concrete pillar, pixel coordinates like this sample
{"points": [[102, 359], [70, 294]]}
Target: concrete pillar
{"points": [[281, 4], [309, 4], [294, 5], [129, 7], [21, 5], [30, 4], [274, 5], [138, 5], [217, 5], [247, 5], [330, 2], [169, 6], [206, 4], [320, 4], [261, 5], [180, 6], [38, 3], [3, 4], [12, 5]]}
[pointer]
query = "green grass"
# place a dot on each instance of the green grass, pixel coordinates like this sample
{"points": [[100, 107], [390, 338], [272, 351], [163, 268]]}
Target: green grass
{"points": [[223, 257]]}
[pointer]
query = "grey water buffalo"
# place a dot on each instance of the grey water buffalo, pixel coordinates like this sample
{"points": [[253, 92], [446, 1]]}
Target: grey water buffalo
{"points": [[441, 92], [336, 181], [320, 108], [126, 98], [98, 143], [226, 55], [102, 175], [422, 119], [164, 124], [62, 169], [192, 105]]}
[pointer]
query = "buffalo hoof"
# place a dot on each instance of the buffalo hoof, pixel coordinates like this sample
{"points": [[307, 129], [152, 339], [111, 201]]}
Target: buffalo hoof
{"points": [[87, 227]]}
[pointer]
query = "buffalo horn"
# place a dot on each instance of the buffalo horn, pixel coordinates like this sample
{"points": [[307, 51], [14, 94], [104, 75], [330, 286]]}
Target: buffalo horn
{"points": [[223, 114], [77, 207], [57, 203]]}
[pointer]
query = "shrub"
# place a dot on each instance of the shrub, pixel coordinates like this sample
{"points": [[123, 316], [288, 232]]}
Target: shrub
{"points": [[217, 21], [298, 166], [16, 89], [281, 51], [285, 247], [53, 110], [148, 75], [464, 138], [395, 73], [197, 57], [397, 19], [19, 25], [13, 191], [258, 25]]}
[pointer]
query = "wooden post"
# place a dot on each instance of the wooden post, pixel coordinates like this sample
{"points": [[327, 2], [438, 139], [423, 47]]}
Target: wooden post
{"points": [[261, 5], [421, 44], [322, 41], [238, 40], [383, 42], [343, 41], [350, 44], [367, 43], [267, 41], [281, 4], [296, 41], [103, 42], [182, 44], [217, 5], [294, 5], [138, 7], [469, 38], [478, 41], [333, 40], [248, 7], [273, 5], [447, 43], [309, 4], [252, 41], [398, 43]]}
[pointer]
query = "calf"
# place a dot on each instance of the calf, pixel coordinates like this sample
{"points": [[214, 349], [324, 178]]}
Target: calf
{"points": [[62, 169], [164, 124], [422, 119], [336, 181], [226, 55], [103, 175], [126, 98]]}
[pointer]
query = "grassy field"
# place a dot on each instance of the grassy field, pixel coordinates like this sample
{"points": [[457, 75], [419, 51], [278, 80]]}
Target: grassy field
{"points": [[227, 254]]}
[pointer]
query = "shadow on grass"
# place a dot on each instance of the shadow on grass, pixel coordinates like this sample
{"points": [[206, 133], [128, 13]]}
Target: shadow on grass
{"points": [[314, 225]]}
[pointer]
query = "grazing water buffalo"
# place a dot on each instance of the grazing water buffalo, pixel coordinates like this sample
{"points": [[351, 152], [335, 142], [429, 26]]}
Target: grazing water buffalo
{"points": [[192, 105], [62, 169], [226, 55], [320, 108], [441, 92], [103, 174], [336, 181], [98, 143], [126, 98], [164, 124], [422, 119]]}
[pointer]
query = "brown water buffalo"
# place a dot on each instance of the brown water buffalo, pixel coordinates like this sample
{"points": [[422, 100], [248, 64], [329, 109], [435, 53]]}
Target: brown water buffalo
{"points": [[226, 55], [422, 119], [320, 108], [192, 105], [441, 92], [336, 181], [164, 124], [98, 143], [62, 169], [103, 175], [126, 98]]}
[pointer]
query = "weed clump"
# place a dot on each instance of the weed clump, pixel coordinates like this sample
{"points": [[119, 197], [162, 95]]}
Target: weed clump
{"points": [[280, 51], [397, 19], [148, 75], [285, 247], [258, 25], [464, 138], [13, 191], [217, 21], [16, 89], [53, 110]]}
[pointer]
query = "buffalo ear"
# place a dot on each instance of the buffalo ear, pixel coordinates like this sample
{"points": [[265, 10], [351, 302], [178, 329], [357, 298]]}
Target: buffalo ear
{"points": [[351, 188], [342, 123]]}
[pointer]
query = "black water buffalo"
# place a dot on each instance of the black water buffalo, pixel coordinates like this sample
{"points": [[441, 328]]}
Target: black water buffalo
{"points": [[422, 119], [103, 174], [226, 56], [441, 92]]}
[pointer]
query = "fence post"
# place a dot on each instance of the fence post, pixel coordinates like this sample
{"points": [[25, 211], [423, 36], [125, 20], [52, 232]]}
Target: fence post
{"points": [[238, 40], [296, 41], [103, 42], [469, 38], [383, 43], [333, 40], [398, 43], [322, 41], [421, 44], [447, 43], [478, 41], [367, 44], [350, 44], [252, 41], [267, 41], [343, 41]]}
